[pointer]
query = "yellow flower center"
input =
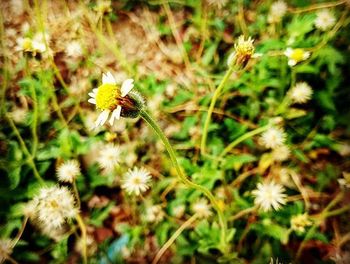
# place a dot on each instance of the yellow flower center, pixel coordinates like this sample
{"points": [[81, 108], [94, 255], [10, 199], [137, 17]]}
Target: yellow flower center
{"points": [[27, 44], [297, 55], [107, 96]]}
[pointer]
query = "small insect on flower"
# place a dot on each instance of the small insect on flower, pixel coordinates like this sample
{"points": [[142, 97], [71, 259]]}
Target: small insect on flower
{"points": [[136, 181], [115, 101], [269, 196], [296, 55], [244, 49], [68, 171], [324, 20], [277, 11], [202, 208], [274, 137], [108, 157], [52, 207], [299, 222], [301, 93]]}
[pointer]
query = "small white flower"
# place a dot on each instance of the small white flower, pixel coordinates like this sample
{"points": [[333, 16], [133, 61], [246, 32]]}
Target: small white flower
{"points": [[324, 20], [19, 114], [74, 49], [277, 11], [107, 98], [154, 214], [136, 181], [53, 206], [68, 171], [296, 55], [202, 208], [108, 157], [179, 210], [274, 137], [301, 93], [299, 222], [281, 153], [269, 196]]}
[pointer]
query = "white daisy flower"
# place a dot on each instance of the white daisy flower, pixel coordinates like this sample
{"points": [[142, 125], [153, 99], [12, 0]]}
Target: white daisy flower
{"points": [[277, 11], [324, 20], [269, 196], [68, 171], [154, 214], [108, 157], [53, 206], [296, 55], [301, 93], [202, 208], [274, 137], [136, 181], [281, 153], [109, 98]]}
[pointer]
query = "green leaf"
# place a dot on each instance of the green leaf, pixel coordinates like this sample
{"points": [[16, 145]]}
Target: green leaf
{"points": [[237, 161]]}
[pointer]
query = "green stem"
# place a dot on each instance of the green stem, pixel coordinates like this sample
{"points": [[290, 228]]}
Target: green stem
{"points": [[243, 138], [25, 150], [173, 238], [83, 237], [211, 109], [185, 180]]}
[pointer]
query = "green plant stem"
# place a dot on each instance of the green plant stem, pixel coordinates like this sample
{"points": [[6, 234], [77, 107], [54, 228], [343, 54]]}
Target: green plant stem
{"points": [[83, 236], [243, 138], [76, 192], [185, 180], [25, 150], [174, 237], [211, 108]]}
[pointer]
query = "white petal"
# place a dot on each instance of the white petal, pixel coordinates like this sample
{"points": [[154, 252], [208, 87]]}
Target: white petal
{"points": [[127, 86], [306, 55], [117, 112], [108, 78], [288, 52], [292, 62], [102, 118], [93, 95], [95, 90], [92, 101], [115, 115]]}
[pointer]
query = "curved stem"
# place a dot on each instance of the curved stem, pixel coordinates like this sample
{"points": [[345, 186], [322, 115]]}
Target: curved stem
{"points": [[83, 236], [76, 192], [211, 108], [184, 178], [173, 238], [243, 138]]}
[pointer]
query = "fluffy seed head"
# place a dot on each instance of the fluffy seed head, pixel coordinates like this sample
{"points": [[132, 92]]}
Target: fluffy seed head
{"points": [[301, 93], [154, 214], [68, 171], [136, 181], [52, 207], [108, 157], [269, 196], [281, 153], [277, 11], [324, 20], [202, 208], [274, 137], [244, 50]]}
